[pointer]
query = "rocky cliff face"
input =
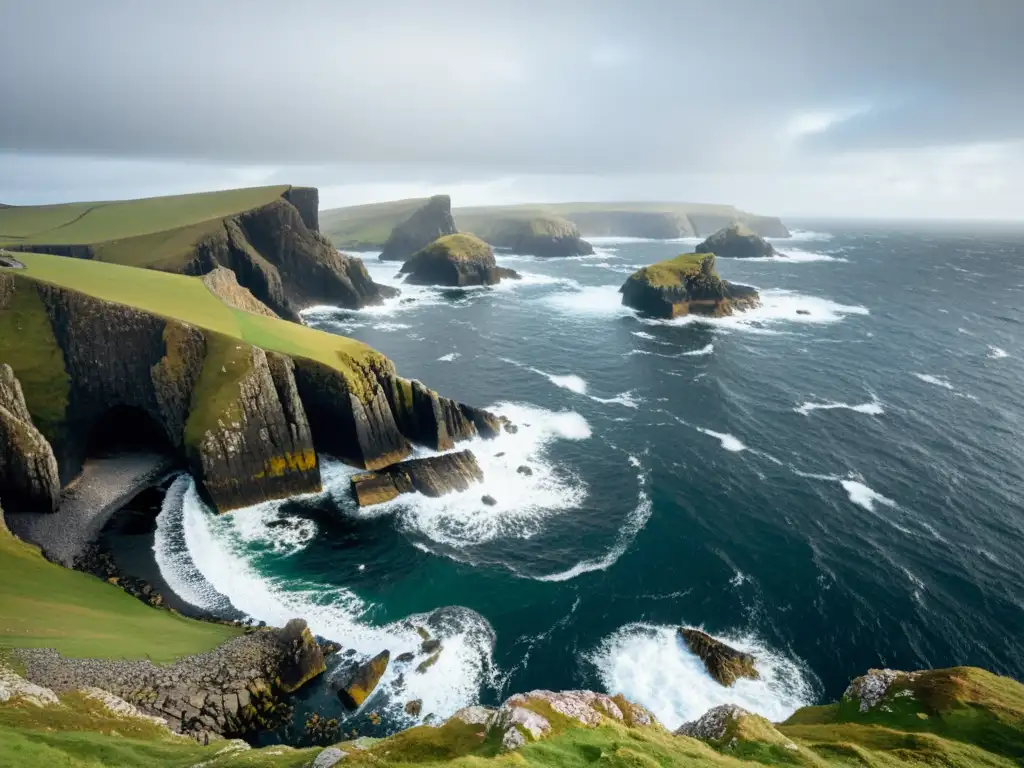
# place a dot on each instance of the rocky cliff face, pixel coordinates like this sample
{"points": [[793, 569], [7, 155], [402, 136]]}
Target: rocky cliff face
{"points": [[737, 241], [29, 479], [688, 284], [457, 261], [223, 283], [431, 221], [646, 224], [432, 476], [549, 237]]}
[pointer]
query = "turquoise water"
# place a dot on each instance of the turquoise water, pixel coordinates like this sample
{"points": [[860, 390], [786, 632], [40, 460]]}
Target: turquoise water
{"points": [[833, 482]]}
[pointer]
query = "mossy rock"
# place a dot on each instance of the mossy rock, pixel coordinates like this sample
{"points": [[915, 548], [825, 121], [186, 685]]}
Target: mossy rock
{"points": [[737, 241]]}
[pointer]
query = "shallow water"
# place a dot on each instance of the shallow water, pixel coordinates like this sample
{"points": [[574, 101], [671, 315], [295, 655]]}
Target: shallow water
{"points": [[832, 481]]}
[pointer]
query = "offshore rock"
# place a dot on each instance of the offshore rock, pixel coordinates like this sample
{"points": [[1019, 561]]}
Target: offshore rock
{"points": [[547, 236], [688, 284], [429, 419], [363, 681], [29, 479], [737, 241], [455, 260], [302, 658], [424, 226], [432, 476], [723, 663]]}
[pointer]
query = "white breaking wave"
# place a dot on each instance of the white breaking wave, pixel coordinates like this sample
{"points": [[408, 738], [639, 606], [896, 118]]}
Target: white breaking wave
{"points": [[729, 442], [864, 496], [996, 353], [634, 524], [645, 335], [449, 357], [627, 399], [936, 380], [576, 384], [650, 664], [219, 552], [600, 300], [570, 381], [874, 408], [707, 349], [796, 256], [391, 327], [801, 235]]}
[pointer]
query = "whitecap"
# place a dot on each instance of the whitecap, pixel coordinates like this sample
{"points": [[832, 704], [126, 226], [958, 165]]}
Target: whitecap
{"points": [[389, 327], [449, 357], [777, 306], [874, 408], [801, 235], [220, 551], [936, 380], [707, 349], [794, 256], [589, 301], [864, 496], [649, 664], [627, 399], [996, 353], [645, 335], [729, 442]]}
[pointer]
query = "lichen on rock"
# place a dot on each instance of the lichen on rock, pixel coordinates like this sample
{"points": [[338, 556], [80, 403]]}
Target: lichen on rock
{"points": [[432, 476], [455, 260], [723, 663], [737, 241], [29, 478]]}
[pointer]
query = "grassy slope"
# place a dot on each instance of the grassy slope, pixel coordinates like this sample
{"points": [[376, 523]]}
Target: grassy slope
{"points": [[672, 271], [461, 247], [101, 222], [43, 605], [568, 209], [366, 226]]}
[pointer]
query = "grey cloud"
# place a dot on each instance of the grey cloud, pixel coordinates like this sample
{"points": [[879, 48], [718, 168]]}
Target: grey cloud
{"points": [[525, 87]]}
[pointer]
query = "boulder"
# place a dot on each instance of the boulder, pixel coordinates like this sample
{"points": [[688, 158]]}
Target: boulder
{"points": [[432, 476], [737, 241], [457, 261], [329, 758], [29, 477], [489, 500], [414, 707], [302, 659], [363, 680], [424, 226], [723, 663], [688, 284]]}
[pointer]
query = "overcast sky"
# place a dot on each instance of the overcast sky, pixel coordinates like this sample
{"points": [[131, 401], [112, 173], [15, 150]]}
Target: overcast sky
{"points": [[895, 108]]}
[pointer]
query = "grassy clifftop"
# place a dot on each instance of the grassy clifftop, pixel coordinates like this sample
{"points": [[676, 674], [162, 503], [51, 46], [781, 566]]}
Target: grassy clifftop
{"points": [[366, 227]]}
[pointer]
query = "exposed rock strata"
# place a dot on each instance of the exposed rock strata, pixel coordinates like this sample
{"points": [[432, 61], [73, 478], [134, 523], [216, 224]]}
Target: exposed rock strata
{"points": [[433, 476], [424, 226], [549, 237], [229, 691], [363, 680], [737, 242], [29, 479], [723, 663], [688, 284], [456, 261], [223, 283]]}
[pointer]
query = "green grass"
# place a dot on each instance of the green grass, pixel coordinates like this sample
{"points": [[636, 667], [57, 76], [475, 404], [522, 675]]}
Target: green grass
{"points": [[366, 226], [100, 222], [43, 605], [460, 247], [672, 271]]}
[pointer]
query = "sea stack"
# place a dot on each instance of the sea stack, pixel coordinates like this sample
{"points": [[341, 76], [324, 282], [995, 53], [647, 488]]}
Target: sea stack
{"points": [[544, 236], [427, 224], [724, 663], [455, 260], [737, 241], [686, 285]]}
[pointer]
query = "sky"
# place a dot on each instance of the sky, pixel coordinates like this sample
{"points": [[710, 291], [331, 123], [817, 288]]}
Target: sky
{"points": [[832, 108]]}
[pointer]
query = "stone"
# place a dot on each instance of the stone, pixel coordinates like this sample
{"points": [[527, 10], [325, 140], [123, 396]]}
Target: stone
{"points": [[803, 312], [456, 261], [29, 477], [429, 646], [869, 690], [475, 715], [329, 758], [302, 659], [723, 663], [737, 241], [405, 658], [433, 476], [414, 707], [686, 285], [429, 222], [489, 500], [524, 470], [712, 725], [223, 283], [364, 680], [428, 663]]}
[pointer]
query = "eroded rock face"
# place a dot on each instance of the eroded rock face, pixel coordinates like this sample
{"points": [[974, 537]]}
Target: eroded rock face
{"points": [[550, 237], [456, 261], [29, 479], [302, 658], [713, 724], [724, 664], [871, 689], [688, 284], [737, 241], [433, 476], [363, 680], [427, 224], [223, 283]]}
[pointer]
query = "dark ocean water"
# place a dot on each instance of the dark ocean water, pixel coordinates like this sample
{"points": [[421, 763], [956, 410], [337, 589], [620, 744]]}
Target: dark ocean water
{"points": [[833, 481]]}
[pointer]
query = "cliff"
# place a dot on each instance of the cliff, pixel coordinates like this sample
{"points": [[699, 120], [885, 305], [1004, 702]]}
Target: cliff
{"points": [[28, 470], [247, 400], [533, 233], [427, 224], [267, 236], [737, 241], [455, 260], [687, 284]]}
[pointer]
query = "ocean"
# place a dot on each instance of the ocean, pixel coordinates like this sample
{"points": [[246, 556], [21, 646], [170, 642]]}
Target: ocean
{"points": [[833, 482]]}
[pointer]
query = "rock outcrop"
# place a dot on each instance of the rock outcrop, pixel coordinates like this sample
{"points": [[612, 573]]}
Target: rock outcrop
{"points": [[433, 476], [301, 657], [546, 236], [424, 226], [732, 728], [737, 241], [363, 680], [457, 261], [724, 664], [687, 284], [223, 283], [29, 479]]}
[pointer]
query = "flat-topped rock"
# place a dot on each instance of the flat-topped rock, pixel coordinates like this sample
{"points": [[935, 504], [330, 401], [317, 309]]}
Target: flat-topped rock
{"points": [[455, 260], [686, 285], [737, 241]]}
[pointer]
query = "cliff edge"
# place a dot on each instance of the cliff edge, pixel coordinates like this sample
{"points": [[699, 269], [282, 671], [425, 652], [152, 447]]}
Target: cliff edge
{"points": [[424, 226]]}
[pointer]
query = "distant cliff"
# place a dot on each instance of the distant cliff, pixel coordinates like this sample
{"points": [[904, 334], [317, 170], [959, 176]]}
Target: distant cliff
{"points": [[424, 226]]}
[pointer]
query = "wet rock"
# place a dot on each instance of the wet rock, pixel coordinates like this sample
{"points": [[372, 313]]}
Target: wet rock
{"points": [[302, 659], [433, 476], [524, 470], [803, 312], [405, 658], [424, 226], [686, 285], [737, 241], [489, 500], [429, 646], [364, 680], [29, 479], [456, 260], [414, 707], [723, 663], [428, 663]]}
